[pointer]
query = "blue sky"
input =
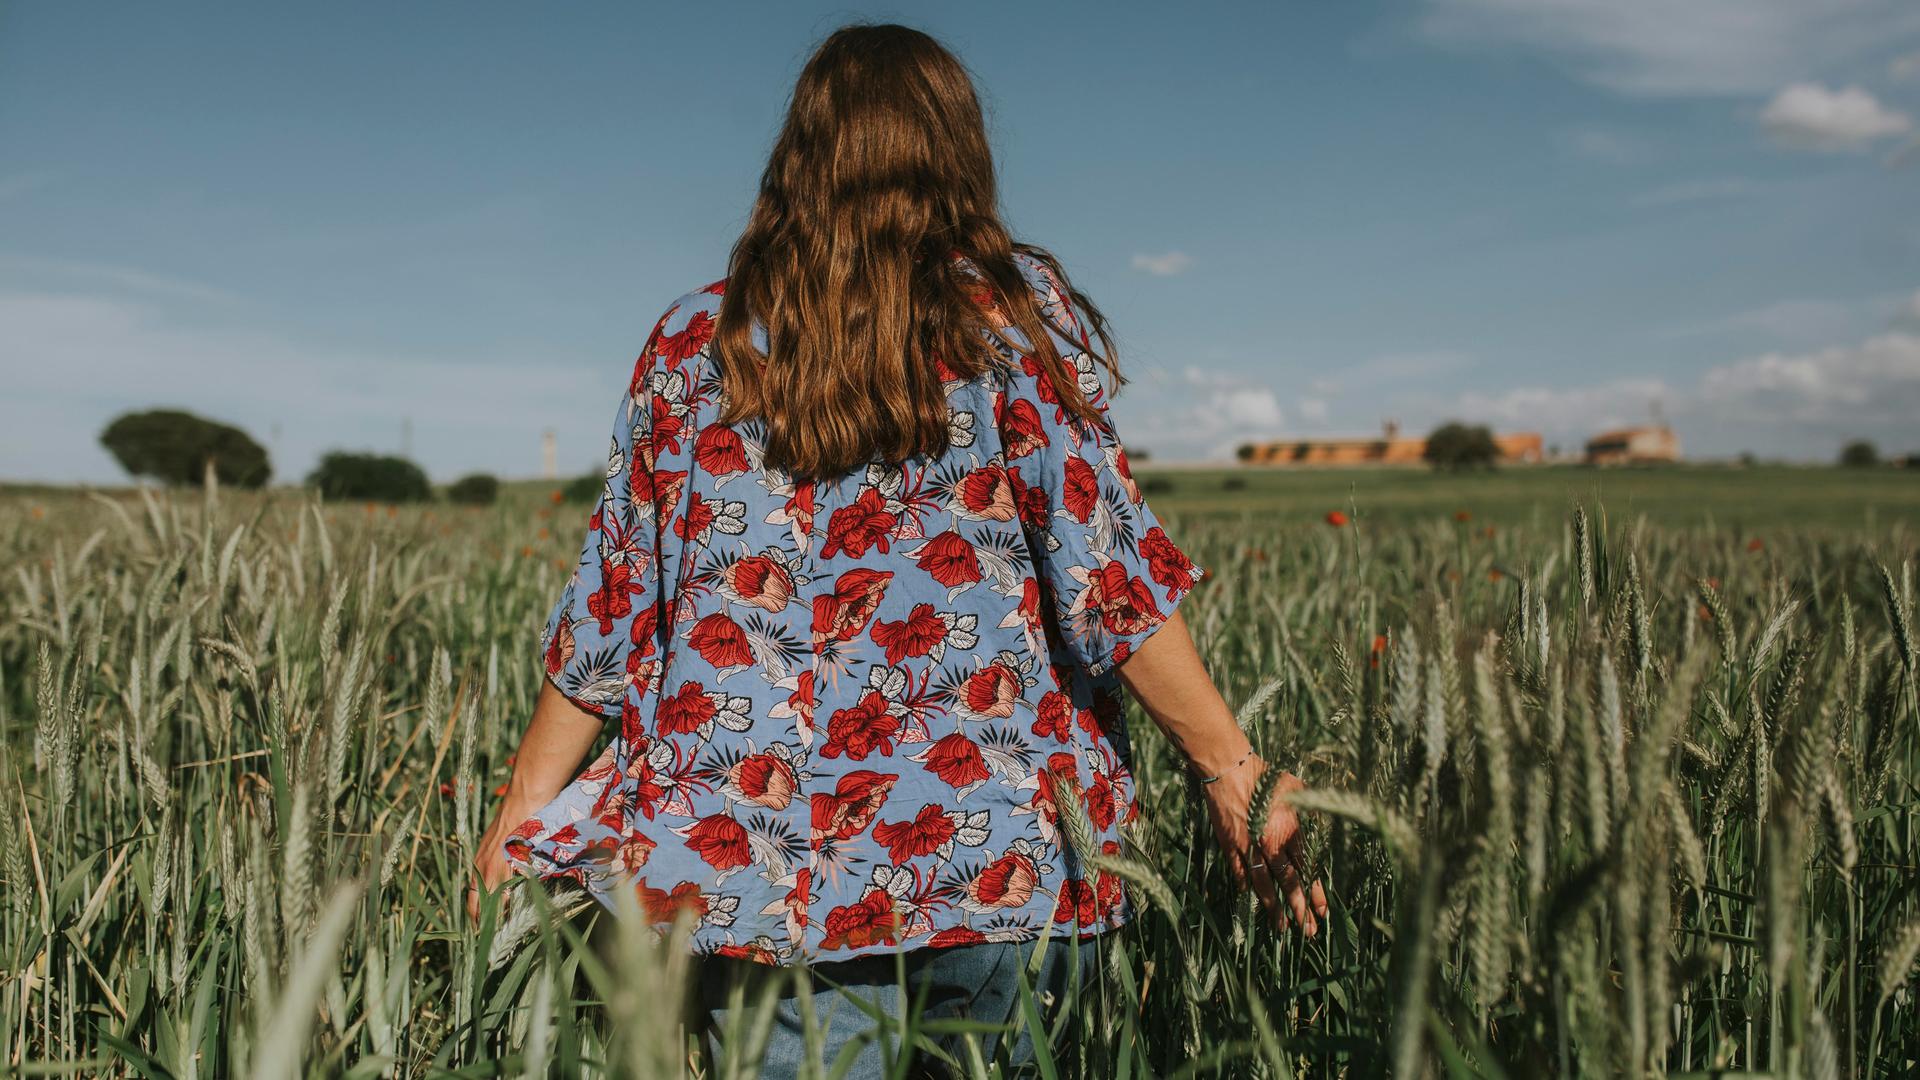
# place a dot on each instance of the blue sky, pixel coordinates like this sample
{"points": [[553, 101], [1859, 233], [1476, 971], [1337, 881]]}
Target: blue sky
{"points": [[338, 224]]}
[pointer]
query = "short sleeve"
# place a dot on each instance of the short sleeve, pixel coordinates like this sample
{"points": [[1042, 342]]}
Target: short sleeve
{"points": [[602, 629], [1107, 567]]}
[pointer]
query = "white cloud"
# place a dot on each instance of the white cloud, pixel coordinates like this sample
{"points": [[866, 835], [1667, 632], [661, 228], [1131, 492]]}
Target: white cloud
{"points": [[1908, 315], [1664, 48], [1792, 402], [1165, 264], [1904, 67], [1811, 116]]}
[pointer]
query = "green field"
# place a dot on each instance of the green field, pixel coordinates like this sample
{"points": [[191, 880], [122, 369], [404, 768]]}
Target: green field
{"points": [[1607, 795]]}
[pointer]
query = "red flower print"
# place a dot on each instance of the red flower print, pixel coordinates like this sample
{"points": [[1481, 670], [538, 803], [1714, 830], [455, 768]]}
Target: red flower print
{"points": [[759, 581], [753, 951], [955, 759], [560, 649], [842, 614], [801, 506], [1168, 565], [985, 493], [719, 450], [1080, 489], [1124, 602], [904, 840], [1102, 805], [720, 641], [915, 635], [661, 490], [632, 852], [861, 729], [949, 559], [662, 906], [854, 803], [764, 780], [1056, 717], [614, 598], [872, 921], [956, 935], [1030, 502], [991, 692], [721, 841], [674, 349], [685, 711], [1076, 903], [861, 524], [697, 519], [1007, 882], [1021, 428]]}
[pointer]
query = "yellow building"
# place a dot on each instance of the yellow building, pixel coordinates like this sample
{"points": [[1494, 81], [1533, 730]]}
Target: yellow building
{"points": [[1634, 446], [1522, 447]]}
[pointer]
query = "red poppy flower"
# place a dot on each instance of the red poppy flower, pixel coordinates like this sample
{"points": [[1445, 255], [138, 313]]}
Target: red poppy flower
{"points": [[1007, 882], [676, 348], [685, 711], [1336, 518], [904, 840], [991, 691], [956, 935], [1124, 602], [1080, 489], [760, 581], [956, 760], [842, 614], [852, 806], [1076, 903], [697, 519], [872, 921], [1056, 716], [1166, 564], [1020, 428], [861, 524], [949, 559], [720, 451], [986, 493], [720, 641], [915, 635], [662, 906], [721, 841], [614, 598], [861, 729], [764, 780]]}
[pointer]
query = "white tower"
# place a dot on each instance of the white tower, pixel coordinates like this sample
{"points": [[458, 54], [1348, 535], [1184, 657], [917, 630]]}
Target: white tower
{"points": [[549, 455]]}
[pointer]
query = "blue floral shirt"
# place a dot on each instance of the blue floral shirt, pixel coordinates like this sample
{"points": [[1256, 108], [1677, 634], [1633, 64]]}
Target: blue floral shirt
{"points": [[846, 707]]}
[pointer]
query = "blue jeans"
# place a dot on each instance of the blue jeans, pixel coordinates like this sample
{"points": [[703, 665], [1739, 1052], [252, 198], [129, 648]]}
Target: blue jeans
{"points": [[979, 983]]}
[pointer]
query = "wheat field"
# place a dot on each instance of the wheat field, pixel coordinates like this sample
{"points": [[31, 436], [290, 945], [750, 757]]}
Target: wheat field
{"points": [[1597, 796]]}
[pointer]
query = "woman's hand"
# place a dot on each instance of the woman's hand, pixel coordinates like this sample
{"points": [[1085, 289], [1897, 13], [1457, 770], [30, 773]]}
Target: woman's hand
{"points": [[490, 866], [1274, 866], [556, 740]]}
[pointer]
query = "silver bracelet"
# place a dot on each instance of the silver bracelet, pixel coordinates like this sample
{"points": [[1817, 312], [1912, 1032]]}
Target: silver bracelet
{"points": [[1228, 769]]}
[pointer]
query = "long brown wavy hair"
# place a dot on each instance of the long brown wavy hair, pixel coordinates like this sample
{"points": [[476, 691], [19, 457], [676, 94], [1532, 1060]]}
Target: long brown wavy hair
{"points": [[878, 198]]}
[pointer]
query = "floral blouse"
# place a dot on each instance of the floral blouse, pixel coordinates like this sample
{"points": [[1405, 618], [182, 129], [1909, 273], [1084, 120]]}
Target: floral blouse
{"points": [[846, 707]]}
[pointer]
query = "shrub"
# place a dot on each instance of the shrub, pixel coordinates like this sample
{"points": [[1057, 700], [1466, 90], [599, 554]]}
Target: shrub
{"points": [[370, 476], [1234, 483], [479, 489], [175, 447], [1458, 446], [1155, 485], [1859, 454]]}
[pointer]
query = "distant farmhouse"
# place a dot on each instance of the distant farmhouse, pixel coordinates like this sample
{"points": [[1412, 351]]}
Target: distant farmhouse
{"points": [[1634, 446], [1520, 447]]}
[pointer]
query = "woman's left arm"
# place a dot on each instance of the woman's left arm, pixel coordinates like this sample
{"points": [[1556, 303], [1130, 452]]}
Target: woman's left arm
{"points": [[556, 741]]}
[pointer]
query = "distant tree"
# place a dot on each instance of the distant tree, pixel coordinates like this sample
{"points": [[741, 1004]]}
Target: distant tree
{"points": [[585, 488], [1458, 446], [370, 476], [1139, 456], [1859, 454], [175, 447], [1244, 451], [479, 489]]}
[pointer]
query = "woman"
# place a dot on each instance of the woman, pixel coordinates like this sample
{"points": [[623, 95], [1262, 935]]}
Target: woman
{"points": [[864, 583]]}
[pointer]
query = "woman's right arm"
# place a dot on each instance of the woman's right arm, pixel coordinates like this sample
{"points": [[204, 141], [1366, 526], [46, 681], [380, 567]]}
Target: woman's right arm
{"points": [[1166, 674]]}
